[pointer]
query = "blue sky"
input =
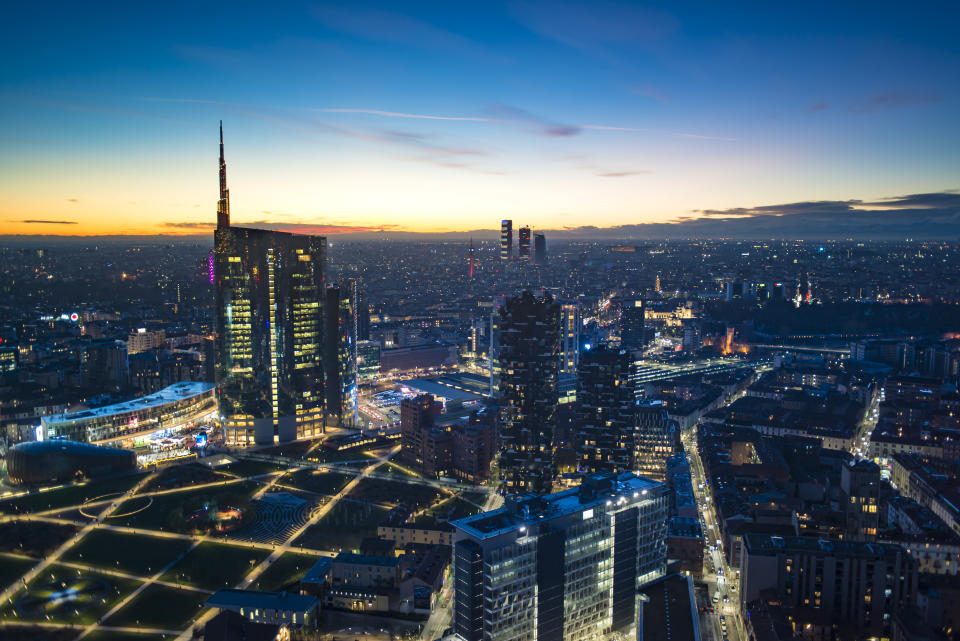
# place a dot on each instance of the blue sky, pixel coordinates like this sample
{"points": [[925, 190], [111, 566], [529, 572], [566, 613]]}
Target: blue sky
{"points": [[445, 116]]}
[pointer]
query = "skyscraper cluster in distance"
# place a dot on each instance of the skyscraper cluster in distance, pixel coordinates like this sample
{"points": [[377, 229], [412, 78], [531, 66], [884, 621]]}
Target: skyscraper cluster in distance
{"points": [[525, 235]]}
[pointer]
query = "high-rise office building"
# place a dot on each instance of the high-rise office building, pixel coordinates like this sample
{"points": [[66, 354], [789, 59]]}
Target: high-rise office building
{"points": [[605, 411], [416, 419], [632, 317], [340, 359], [570, 338], [692, 339], [540, 249], [506, 239], [368, 361], [562, 567], [523, 244], [361, 310], [569, 351], [269, 319], [653, 440], [528, 366]]}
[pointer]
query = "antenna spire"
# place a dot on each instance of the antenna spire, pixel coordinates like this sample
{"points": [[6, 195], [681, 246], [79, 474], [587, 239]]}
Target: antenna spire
{"points": [[223, 205]]}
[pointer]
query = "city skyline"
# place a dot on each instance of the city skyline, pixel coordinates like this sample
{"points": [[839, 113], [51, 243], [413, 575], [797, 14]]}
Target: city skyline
{"points": [[642, 122]]}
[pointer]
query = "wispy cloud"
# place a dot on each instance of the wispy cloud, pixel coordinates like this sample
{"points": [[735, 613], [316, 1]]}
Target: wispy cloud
{"points": [[611, 128], [623, 174], [545, 126], [386, 26], [72, 200], [190, 225], [397, 114], [818, 106], [297, 228], [45, 222], [703, 137], [600, 27], [893, 100]]}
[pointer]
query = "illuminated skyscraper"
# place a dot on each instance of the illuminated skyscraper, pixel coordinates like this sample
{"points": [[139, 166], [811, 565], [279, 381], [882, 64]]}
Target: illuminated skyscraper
{"points": [[653, 441], [523, 244], [506, 239], [269, 344], [570, 338], [528, 363]]}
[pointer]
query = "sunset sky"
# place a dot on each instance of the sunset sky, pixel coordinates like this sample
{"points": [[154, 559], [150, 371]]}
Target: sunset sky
{"points": [[450, 116]]}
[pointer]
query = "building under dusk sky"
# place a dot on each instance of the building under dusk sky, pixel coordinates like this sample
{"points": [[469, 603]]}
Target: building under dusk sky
{"points": [[451, 116]]}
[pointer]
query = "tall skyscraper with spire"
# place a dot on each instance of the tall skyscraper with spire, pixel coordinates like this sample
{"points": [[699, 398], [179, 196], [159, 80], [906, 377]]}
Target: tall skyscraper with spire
{"points": [[223, 205], [270, 290]]}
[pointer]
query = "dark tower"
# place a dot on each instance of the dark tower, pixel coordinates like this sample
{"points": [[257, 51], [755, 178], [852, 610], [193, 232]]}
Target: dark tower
{"points": [[340, 357], [606, 411], [528, 359], [539, 249], [632, 324], [523, 244]]}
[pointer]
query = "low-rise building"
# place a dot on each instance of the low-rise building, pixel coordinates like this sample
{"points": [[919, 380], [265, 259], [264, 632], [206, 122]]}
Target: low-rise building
{"points": [[283, 608]]}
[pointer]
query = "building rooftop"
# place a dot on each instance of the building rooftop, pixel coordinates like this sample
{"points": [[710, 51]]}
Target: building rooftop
{"points": [[176, 392], [367, 559], [769, 545], [526, 510], [670, 610], [319, 572], [285, 601]]}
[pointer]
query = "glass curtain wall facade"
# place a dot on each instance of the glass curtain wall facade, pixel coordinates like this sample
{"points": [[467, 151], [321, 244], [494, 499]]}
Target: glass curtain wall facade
{"points": [[269, 304], [341, 358], [562, 567]]}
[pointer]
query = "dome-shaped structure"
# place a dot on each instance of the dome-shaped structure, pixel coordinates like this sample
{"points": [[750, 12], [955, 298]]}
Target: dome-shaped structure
{"points": [[48, 461]]}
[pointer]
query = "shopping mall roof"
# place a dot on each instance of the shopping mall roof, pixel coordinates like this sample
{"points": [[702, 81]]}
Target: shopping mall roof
{"points": [[428, 386], [171, 394]]}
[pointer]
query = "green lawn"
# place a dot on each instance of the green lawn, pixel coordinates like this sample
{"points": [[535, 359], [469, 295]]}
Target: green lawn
{"points": [[448, 510], [215, 565], [398, 470], [68, 496], [185, 475], [24, 633], [112, 635], [133, 553], [96, 595], [157, 516], [33, 538], [243, 467], [317, 481], [284, 571], [324, 455], [393, 492], [12, 568], [344, 527], [160, 607]]}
